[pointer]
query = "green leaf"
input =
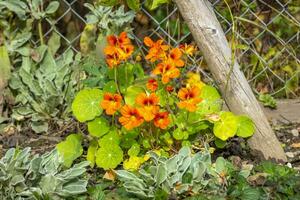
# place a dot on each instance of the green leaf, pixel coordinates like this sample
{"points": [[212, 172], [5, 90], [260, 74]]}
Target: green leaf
{"points": [[108, 2], [111, 138], [5, 67], [153, 4], [220, 143], [110, 87], [132, 93], [134, 4], [98, 127], [211, 101], [179, 134], [267, 100], [226, 127], [134, 150], [86, 105], [91, 153], [52, 7], [245, 127], [54, 43], [70, 149], [109, 156]]}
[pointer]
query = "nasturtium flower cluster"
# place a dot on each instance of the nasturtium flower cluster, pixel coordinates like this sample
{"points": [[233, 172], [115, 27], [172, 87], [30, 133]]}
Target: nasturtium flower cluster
{"points": [[151, 103]]}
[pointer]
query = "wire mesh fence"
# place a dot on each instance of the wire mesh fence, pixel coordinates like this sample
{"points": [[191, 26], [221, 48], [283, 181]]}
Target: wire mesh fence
{"points": [[265, 36]]}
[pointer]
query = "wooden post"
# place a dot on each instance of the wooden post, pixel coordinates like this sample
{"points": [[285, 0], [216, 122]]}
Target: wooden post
{"points": [[211, 40]]}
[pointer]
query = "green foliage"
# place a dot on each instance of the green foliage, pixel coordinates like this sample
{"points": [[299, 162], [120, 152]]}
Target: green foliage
{"points": [[180, 175], [153, 4], [86, 105], [37, 177], [5, 70], [109, 156], [281, 182], [108, 20], [226, 127], [70, 149], [267, 100], [44, 87], [98, 127]]}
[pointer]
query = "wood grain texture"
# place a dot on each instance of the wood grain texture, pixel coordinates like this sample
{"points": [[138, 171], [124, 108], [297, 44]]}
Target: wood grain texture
{"points": [[239, 97]]}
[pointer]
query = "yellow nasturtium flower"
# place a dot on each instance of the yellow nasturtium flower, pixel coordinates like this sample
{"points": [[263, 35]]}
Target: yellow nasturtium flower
{"points": [[194, 79], [133, 163]]}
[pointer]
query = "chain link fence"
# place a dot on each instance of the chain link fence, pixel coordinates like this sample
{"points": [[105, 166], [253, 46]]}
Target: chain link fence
{"points": [[265, 35]]}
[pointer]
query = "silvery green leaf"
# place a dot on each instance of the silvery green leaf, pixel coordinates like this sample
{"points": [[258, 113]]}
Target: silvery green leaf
{"points": [[172, 164], [50, 88], [52, 7], [24, 51], [16, 6], [48, 183], [24, 111], [161, 174], [16, 180], [185, 165], [221, 165], [19, 41], [54, 43], [73, 188], [198, 172], [75, 171], [125, 175], [182, 188], [39, 127]]}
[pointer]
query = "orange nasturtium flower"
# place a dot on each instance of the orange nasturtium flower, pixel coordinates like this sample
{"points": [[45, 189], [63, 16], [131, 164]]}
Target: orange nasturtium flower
{"points": [[167, 71], [188, 49], [152, 85], [189, 98], [170, 88], [148, 105], [157, 49], [131, 117], [175, 57], [162, 120], [119, 49], [111, 103]]}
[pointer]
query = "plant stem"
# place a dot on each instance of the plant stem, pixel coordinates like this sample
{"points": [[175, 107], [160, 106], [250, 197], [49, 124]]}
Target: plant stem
{"points": [[116, 80], [41, 32]]}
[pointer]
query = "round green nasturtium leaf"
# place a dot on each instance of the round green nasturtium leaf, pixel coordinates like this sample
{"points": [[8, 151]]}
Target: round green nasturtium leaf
{"points": [[70, 149], [91, 153], [246, 127], [226, 127], [112, 138], [134, 150], [98, 127], [220, 143], [128, 139], [211, 101], [110, 87], [146, 144], [179, 134], [109, 156], [86, 105], [132, 93], [186, 143]]}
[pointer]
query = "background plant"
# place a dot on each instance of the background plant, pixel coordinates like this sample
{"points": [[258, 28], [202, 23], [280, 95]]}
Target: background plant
{"points": [[44, 87], [24, 176]]}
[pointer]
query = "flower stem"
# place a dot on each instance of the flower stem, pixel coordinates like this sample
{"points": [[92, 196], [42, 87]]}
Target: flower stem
{"points": [[41, 32], [116, 79]]}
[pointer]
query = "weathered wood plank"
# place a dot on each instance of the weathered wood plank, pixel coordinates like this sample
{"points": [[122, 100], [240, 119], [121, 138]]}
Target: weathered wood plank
{"points": [[237, 93]]}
